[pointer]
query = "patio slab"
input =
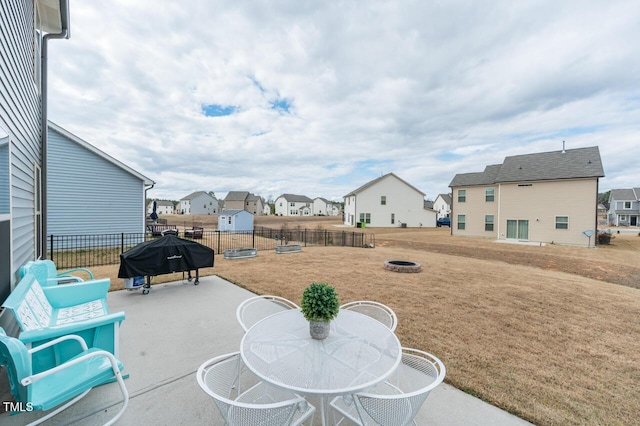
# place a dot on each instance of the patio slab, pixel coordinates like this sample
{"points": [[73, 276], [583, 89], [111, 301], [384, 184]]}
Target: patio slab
{"points": [[169, 332]]}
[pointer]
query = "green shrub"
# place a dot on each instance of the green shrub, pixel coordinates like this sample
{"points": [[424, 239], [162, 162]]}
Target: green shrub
{"points": [[320, 302]]}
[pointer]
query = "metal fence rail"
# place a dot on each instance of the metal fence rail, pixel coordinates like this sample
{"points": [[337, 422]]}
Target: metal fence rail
{"points": [[74, 251]]}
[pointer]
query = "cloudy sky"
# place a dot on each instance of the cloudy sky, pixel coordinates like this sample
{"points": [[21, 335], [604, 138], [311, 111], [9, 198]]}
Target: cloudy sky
{"points": [[319, 97]]}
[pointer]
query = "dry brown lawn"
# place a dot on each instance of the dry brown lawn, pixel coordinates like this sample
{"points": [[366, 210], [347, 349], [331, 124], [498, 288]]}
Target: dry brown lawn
{"points": [[551, 334]]}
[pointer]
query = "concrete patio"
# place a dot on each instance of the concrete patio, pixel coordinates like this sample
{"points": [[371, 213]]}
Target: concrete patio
{"points": [[168, 333]]}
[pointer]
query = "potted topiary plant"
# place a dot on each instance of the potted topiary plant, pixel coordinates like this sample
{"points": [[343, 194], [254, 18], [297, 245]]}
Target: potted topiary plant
{"points": [[319, 306]]}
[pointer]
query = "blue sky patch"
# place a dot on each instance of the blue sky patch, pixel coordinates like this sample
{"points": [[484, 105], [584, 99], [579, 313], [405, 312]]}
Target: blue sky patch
{"points": [[214, 110], [448, 156], [280, 104]]}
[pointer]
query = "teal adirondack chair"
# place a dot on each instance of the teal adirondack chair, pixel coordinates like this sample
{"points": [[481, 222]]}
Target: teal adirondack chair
{"points": [[47, 273], [64, 384]]}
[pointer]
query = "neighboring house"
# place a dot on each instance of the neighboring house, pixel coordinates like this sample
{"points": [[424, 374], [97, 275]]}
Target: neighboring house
{"points": [[235, 220], [294, 205], [603, 219], [199, 202], [387, 201], [254, 205], [324, 207], [91, 192], [624, 207], [266, 210], [244, 200], [547, 197], [162, 207], [442, 205], [26, 28]]}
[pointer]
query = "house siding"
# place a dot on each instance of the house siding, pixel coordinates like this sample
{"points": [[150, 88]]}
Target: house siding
{"points": [[20, 110], [538, 203], [475, 208], [88, 194], [404, 202]]}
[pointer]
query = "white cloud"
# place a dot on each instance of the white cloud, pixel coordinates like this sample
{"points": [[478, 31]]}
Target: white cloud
{"points": [[424, 90]]}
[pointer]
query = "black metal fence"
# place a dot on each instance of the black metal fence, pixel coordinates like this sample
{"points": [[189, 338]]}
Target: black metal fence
{"points": [[74, 251]]}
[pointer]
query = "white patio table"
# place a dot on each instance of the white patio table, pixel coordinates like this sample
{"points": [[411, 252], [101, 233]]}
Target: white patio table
{"points": [[358, 353]]}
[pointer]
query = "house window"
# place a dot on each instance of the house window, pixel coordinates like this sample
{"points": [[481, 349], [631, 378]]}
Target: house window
{"points": [[562, 222], [462, 196], [489, 195], [627, 204], [229, 220], [462, 224], [292, 204], [365, 217], [383, 200], [393, 218], [488, 222]]}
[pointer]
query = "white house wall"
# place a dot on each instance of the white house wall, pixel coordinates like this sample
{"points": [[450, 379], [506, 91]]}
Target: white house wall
{"points": [[403, 204]]}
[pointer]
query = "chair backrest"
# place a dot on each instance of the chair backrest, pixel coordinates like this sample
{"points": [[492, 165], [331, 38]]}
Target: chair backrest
{"points": [[236, 393], [375, 310], [417, 376], [47, 274], [15, 358], [256, 308]]}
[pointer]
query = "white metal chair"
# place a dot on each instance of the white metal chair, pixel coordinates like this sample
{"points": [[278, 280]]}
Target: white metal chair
{"points": [[243, 399], [396, 401], [63, 385], [375, 310], [256, 308]]}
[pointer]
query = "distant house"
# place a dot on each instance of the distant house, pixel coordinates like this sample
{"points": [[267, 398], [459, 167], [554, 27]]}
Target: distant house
{"points": [[294, 205], [162, 207], [23, 134], [199, 202], [388, 201], [324, 207], [603, 218], [235, 220], [544, 197], [91, 192], [244, 200], [624, 207], [442, 205]]}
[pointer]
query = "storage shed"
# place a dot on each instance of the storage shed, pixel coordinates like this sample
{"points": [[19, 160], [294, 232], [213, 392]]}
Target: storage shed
{"points": [[235, 220]]}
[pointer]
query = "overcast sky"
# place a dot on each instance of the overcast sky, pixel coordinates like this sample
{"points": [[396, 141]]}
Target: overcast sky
{"points": [[319, 97]]}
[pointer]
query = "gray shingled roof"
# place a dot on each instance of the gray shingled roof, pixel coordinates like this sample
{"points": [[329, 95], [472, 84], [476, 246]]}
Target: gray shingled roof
{"points": [[446, 198], [293, 198], [236, 196], [569, 164], [193, 195], [376, 180], [624, 194]]}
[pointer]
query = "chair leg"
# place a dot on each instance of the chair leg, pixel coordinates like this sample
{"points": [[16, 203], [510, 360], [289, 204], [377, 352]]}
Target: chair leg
{"points": [[60, 409]]}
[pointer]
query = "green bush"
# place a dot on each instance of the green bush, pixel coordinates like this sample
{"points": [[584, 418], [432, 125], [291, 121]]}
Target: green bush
{"points": [[320, 302]]}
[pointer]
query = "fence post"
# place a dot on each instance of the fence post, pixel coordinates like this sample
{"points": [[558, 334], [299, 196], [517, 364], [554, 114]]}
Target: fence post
{"points": [[353, 240], [122, 242], [253, 238], [51, 247], [218, 232]]}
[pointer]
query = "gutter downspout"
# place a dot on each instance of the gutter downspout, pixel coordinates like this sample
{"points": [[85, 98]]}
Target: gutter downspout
{"points": [[64, 33], [144, 206]]}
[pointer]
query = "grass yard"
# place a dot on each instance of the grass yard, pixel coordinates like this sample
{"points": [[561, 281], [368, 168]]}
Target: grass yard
{"points": [[551, 334]]}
